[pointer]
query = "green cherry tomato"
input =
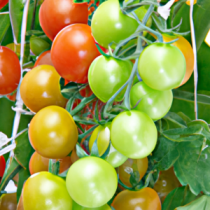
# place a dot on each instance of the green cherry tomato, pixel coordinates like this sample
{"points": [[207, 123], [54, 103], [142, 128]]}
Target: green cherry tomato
{"points": [[154, 103], [78, 207], [109, 24], [46, 191], [38, 45], [162, 66], [133, 134], [91, 182], [106, 75]]}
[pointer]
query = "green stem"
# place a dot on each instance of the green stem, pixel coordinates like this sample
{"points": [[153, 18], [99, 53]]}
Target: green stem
{"points": [[81, 136]]}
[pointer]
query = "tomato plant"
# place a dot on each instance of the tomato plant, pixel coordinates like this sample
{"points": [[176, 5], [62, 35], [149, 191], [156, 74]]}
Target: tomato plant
{"points": [[44, 59], [8, 201], [3, 3], [38, 45], [2, 165], [78, 207]]}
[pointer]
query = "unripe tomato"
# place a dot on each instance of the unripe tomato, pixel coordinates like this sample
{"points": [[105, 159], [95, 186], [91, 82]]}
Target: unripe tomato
{"points": [[154, 103], [40, 88], [78, 207], [55, 15], [8, 201], [73, 50], [46, 191], [3, 3], [145, 199], [53, 132], [132, 165], [44, 58], [166, 182], [133, 134], [38, 163], [91, 182], [38, 45], [9, 71], [162, 66], [106, 75], [2, 166], [187, 51]]}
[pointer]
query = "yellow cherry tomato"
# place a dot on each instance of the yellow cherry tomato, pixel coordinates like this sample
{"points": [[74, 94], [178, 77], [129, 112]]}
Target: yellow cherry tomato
{"points": [[8, 201]]}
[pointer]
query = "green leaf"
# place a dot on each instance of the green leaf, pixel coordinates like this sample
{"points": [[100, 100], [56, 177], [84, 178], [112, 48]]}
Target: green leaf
{"points": [[106, 152], [69, 90], [174, 120], [134, 178], [80, 152], [54, 166], [159, 22], [4, 25]]}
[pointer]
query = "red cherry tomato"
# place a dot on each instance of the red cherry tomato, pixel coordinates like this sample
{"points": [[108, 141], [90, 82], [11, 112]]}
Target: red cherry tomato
{"points": [[3, 3], [2, 166], [9, 71], [44, 59], [73, 50], [54, 15]]}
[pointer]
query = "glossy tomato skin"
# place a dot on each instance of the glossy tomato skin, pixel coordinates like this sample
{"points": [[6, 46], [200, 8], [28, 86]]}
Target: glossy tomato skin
{"points": [[145, 199], [9, 71], [132, 165], [106, 75], [40, 88], [46, 191], [44, 59], [38, 45], [78, 207], [73, 50], [53, 132], [3, 3], [91, 182], [154, 103], [8, 201], [109, 24], [2, 165], [162, 66], [133, 134], [55, 15]]}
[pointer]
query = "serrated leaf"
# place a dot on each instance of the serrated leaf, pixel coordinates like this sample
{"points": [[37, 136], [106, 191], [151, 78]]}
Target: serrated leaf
{"points": [[175, 121]]}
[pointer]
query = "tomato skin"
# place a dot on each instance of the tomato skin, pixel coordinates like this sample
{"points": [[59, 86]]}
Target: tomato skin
{"points": [[140, 165], [40, 88], [46, 191], [55, 15], [107, 75], [2, 165], [73, 50], [78, 207], [9, 71], [154, 103], [8, 201], [58, 129], [44, 59], [162, 66], [133, 134], [145, 199], [3, 3], [38, 45], [91, 182]]}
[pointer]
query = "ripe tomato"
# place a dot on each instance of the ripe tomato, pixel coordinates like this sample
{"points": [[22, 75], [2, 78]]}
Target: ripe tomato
{"points": [[131, 165], [44, 58], [78, 207], [187, 51], [91, 182], [55, 15], [107, 75], [8, 201], [38, 163], [3, 3], [9, 71], [73, 51], [2, 166], [133, 134], [162, 66], [166, 182], [154, 103], [145, 199], [46, 191], [53, 132], [38, 45], [40, 88]]}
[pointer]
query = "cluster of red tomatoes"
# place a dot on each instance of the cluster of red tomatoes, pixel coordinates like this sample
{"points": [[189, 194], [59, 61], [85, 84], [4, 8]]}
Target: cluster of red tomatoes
{"points": [[91, 182]]}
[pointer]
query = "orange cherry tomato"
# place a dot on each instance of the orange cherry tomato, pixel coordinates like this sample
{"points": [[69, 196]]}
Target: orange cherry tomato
{"points": [[53, 132], [9, 71], [2, 166], [73, 50], [8, 201], [3, 3], [145, 199], [55, 15], [44, 58], [40, 88]]}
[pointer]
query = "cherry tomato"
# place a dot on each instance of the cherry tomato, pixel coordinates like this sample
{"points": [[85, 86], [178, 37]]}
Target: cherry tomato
{"points": [[91, 182], [166, 182], [46, 191], [73, 51], [38, 163], [9, 71], [8, 201], [133, 134], [55, 15], [40, 88], [132, 165], [2, 166], [53, 132], [38, 45], [78, 207], [12, 96], [162, 66], [20, 203], [154, 103], [145, 199], [106, 75], [44, 58], [3, 3], [187, 51]]}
